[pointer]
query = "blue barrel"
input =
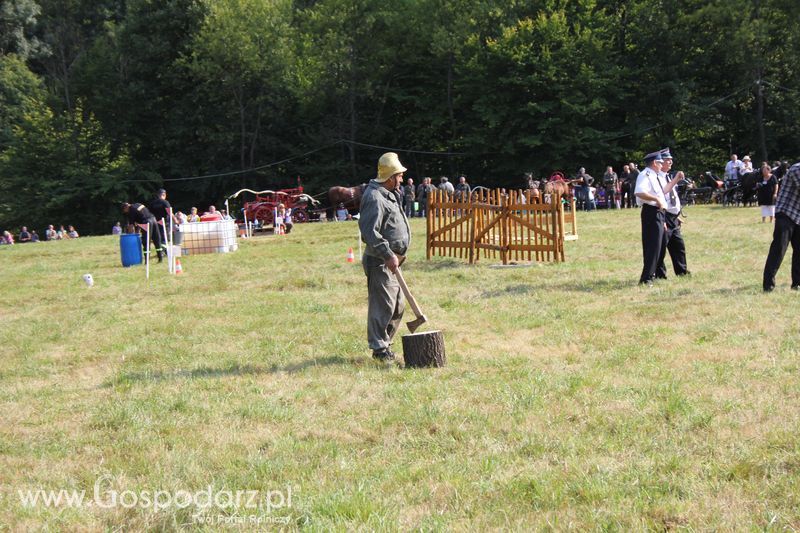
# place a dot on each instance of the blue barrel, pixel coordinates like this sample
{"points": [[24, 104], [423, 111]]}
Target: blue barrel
{"points": [[130, 247]]}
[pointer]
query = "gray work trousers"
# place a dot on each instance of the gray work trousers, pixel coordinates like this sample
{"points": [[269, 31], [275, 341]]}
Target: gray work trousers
{"points": [[386, 304]]}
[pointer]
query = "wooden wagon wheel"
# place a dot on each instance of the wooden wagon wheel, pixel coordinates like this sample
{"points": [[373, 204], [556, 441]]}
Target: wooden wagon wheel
{"points": [[265, 214]]}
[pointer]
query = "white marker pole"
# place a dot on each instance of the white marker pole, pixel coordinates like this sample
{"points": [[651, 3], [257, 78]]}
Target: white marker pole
{"points": [[147, 255]]}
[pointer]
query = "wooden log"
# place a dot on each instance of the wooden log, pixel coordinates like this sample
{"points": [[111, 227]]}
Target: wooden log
{"points": [[424, 349]]}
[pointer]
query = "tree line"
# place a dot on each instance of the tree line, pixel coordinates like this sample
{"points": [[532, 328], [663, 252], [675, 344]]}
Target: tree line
{"points": [[108, 100]]}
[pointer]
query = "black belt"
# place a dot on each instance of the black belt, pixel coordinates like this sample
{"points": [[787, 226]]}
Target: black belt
{"points": [[654, 207]]}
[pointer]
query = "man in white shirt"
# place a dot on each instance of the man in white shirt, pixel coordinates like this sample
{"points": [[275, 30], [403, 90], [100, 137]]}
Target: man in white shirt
{"points": [[650, 196], [733, 168], [672, 236]]}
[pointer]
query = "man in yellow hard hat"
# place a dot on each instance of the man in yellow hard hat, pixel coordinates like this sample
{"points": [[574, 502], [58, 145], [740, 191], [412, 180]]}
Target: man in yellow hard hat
{"points": [[384, 229]]}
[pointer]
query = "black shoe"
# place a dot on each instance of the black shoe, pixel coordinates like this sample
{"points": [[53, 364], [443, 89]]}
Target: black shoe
{"points": [[687, 273], [384, 355], [796, 287], [647, 283], [160, 258], [768, 289]]}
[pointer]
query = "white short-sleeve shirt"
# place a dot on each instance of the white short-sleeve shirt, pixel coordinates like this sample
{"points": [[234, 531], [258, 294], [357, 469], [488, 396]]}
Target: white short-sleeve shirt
{"points": [[673, 202], [647, 182]]}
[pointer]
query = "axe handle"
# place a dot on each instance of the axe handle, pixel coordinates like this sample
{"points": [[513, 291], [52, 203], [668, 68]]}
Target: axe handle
{"points": [[413, 302]]}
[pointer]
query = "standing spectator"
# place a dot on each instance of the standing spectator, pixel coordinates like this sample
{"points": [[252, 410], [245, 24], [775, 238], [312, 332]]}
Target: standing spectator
{"points": [[611, 185], [583, 189], [672, 231], [423, 191], [24, 235], [767, 193], [747, 165], [72, 233], [116, 229], [34, 236], [409, 196], [139, 214], [733, 168], [650, 196], [50, 234], [446, 186], [385, 231], [787, 220], [627, 186], [463, 189], [193, 216]]}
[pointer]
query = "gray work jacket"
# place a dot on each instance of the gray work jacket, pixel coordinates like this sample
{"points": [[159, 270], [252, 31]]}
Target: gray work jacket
{"points": [[383, 225]]}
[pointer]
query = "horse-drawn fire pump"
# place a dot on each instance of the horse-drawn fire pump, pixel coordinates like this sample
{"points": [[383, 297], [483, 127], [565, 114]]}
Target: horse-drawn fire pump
{"points": [[262, 209]]}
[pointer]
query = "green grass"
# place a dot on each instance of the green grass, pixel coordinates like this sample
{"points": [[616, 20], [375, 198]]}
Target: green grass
{"points": [[572, 399]]}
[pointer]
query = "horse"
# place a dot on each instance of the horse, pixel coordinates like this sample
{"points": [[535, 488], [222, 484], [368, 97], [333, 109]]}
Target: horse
{"points": [[349, 196], [557, 190]]}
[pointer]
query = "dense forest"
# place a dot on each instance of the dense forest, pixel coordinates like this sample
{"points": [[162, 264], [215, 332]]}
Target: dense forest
{"points": [[107, 100]]}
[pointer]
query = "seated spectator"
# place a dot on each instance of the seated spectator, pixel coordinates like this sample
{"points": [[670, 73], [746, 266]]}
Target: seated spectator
{"points": [[279, 225], [72, 233], [24, 235], [117, 229], [342, 213], [50, 234], [34, 236], [193, 216], [181, 217], [62, 233], [212, 211], [225, 215], [8, 238]]}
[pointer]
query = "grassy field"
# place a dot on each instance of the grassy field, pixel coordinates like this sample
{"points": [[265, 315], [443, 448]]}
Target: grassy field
{"points": [[572, 399]]}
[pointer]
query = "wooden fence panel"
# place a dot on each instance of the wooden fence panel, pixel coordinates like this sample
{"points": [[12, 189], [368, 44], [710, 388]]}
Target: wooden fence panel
{"points": [[492, 223]]}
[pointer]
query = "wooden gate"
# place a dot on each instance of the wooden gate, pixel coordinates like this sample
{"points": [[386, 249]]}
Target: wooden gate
{"points": [[492, 223]]}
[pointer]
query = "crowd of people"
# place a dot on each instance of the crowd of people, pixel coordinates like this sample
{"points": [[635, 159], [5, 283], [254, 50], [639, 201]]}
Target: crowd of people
{"points": [[50, 234]]}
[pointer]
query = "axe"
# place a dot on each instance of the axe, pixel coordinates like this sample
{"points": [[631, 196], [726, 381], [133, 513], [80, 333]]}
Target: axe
{"points": [[421, 318]]}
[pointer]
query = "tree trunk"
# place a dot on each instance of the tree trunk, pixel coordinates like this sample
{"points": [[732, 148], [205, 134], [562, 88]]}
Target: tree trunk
{"points": [[424, 349]]}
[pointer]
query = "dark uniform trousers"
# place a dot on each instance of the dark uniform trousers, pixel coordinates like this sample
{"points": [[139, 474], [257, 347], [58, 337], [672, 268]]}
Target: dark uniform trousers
{"points": [[785, 232], [675, 246], [155, 235], [653, 242]]}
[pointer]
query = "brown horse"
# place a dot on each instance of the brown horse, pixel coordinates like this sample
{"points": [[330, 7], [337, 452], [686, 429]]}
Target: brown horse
{"points": [[349, 196], [558, 189]]}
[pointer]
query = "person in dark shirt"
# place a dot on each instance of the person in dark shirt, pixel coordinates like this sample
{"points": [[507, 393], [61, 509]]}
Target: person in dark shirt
{"points": [[162, 210], [767, 193], [139, 214], [24, 236]]}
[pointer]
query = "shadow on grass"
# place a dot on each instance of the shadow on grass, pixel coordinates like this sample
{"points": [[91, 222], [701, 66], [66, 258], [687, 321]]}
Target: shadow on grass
{"points": [[510, 290], [231, 371], [434, 265]]}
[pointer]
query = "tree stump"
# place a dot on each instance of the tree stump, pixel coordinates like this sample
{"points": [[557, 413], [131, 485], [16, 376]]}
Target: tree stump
{"points": [[424, 349]]}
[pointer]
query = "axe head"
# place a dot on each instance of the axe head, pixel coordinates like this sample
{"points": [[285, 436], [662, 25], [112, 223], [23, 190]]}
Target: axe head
{"points": [[417, 322]]}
